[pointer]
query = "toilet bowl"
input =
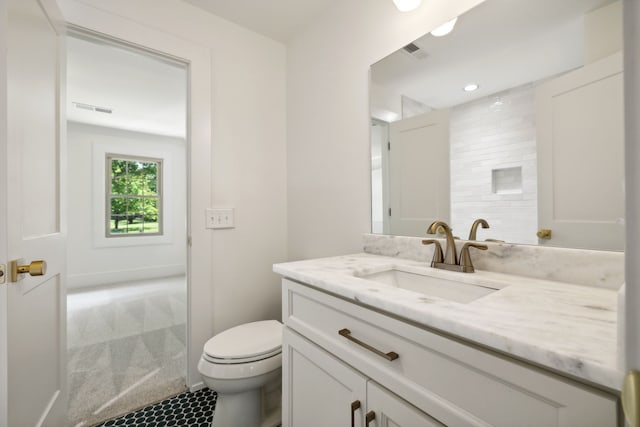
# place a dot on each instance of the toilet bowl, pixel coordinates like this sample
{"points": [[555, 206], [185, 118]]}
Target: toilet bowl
{"points": [[237, 364]]}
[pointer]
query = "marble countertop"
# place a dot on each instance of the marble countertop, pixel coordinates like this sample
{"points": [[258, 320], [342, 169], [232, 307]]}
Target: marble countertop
{"points": [[568, 328]]}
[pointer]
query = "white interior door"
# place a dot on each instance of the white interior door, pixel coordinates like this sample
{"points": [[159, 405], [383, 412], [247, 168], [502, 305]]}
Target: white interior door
{"points": [[33, 331], [580, 157], [419, 173]]}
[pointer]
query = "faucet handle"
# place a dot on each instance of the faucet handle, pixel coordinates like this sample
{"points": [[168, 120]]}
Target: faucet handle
{"points": [[465, 257], [437, 251]]}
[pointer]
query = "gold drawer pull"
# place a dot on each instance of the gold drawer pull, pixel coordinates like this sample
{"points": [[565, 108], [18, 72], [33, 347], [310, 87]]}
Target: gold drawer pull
{"points": [[370, 416], [392, 355], [355, 405]]}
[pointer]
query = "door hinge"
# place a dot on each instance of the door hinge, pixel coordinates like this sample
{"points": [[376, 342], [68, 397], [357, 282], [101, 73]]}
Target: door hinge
{"points": [[3, 274], [389, 211], [388, 145]]}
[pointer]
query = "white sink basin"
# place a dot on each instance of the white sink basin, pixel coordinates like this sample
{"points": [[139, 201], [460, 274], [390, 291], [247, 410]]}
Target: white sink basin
{"points": [[432, 286]]}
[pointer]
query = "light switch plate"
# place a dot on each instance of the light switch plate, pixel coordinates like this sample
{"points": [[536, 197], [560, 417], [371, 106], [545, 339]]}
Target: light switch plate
{"points": [[220, 218]]}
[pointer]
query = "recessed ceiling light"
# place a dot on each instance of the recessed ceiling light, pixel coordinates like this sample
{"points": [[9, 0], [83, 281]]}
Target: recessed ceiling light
{"points": [[407, 5], [471, 87], [445, 28]]}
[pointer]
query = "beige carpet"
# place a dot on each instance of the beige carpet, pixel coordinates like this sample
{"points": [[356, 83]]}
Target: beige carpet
{"points": [[126, 348]]}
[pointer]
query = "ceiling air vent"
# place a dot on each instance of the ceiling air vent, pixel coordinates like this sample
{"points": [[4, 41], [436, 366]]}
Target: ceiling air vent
{"points": [[93, 108], [414, 51], [411, 47]]}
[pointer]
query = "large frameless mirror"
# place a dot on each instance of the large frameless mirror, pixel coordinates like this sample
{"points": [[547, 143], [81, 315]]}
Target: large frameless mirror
{"points": [[515, 116]]}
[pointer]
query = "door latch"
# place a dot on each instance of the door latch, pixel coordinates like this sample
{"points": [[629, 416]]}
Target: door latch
{"points": [[3, 278]]}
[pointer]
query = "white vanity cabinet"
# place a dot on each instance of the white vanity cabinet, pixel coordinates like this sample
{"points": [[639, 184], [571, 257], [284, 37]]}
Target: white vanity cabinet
{"points": [[322, 391], [436, 380]]}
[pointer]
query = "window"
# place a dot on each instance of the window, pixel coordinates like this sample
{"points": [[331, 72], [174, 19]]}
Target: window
{"points": [[134, 196]]}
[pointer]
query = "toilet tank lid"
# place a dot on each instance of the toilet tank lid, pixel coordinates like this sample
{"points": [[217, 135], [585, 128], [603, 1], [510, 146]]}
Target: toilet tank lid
{"points": [[247, 340]]}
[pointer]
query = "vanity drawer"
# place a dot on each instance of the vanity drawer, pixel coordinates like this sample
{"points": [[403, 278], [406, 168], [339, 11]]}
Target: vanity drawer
{"points": [[454, 382]]}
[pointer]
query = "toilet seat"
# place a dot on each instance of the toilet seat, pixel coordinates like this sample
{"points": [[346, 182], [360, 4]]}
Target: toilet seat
{"points": [[235, 360], [245, 343]]}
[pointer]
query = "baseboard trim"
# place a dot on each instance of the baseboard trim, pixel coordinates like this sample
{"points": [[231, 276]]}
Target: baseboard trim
{"points": [[197, 386], [89, 280]]}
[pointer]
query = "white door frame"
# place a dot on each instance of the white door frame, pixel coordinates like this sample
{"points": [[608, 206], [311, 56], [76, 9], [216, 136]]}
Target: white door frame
{"points": [[199, 253], [632, 182], [4, 396]]}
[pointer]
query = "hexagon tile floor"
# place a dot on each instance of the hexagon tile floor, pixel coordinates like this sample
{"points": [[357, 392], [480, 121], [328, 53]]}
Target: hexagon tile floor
{"points": [[186, 409]]}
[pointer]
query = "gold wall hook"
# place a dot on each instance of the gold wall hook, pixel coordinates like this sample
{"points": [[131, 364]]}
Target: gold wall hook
{"points": [[35, 268]]}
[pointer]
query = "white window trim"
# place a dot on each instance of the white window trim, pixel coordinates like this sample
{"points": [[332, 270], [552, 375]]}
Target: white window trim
{"points": [[100, 240], [109, 157]]}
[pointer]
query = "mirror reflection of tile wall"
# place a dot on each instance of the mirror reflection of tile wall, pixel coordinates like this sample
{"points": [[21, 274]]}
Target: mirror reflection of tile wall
{"points": [[487, 136]]}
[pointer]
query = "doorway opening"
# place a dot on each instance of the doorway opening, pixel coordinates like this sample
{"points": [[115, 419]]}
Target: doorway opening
{"points": [[127, 228]]}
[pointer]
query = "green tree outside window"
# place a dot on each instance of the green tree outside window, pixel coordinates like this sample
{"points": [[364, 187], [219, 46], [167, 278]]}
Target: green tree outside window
{"points": [[134, 195]]}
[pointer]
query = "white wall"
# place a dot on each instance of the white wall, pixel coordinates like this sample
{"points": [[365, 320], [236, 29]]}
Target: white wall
{"points": [[231, 280], [328, 166], [94, 259], [603, 32]]}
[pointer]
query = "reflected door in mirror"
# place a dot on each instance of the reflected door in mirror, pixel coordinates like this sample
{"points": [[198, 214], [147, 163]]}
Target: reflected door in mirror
{"points": [[580, 156], [419, 173]]}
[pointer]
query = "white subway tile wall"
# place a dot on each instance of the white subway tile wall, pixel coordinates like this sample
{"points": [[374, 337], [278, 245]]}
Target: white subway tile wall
{"points": [[493, 133]]}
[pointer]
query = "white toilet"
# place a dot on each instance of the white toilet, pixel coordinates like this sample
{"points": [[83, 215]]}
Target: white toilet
{"points": [[237, 364]]}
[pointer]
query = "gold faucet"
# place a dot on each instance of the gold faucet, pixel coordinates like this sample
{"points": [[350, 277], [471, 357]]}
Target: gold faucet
{"points": [[450, 256], [450, 259], [474, 227]]}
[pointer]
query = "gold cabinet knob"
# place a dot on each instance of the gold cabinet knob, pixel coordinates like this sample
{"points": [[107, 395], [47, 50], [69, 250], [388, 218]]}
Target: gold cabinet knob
{"points": [[544, 233], [35, 268]]}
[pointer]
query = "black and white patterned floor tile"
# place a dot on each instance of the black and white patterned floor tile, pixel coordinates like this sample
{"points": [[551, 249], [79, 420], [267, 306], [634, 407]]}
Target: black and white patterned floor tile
{"points": [[186, 409]]}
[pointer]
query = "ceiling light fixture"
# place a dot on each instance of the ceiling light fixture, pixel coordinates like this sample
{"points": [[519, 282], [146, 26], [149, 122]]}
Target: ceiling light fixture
{"points": [[407, 5], [445, 28], [471, 87]]}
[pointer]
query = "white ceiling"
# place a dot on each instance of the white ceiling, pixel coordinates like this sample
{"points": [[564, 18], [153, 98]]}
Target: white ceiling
{"points": [[145, 93], [499, 44], [276, 19]]}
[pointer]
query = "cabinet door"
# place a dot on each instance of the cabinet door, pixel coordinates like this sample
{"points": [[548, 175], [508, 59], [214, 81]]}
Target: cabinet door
{"points": [[318, 389], [392, 411]]}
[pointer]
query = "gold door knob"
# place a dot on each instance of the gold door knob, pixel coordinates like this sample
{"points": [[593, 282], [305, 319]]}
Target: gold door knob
{"points": [[35, 268], [544, 233], [631, 398]]}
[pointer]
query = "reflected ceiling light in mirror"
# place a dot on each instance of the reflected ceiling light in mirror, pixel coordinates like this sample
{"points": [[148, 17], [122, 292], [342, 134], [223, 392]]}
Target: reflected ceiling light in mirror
{"points": [[388, 116], [499, 102], [445, 28], [471, 87], [407, 5]]}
